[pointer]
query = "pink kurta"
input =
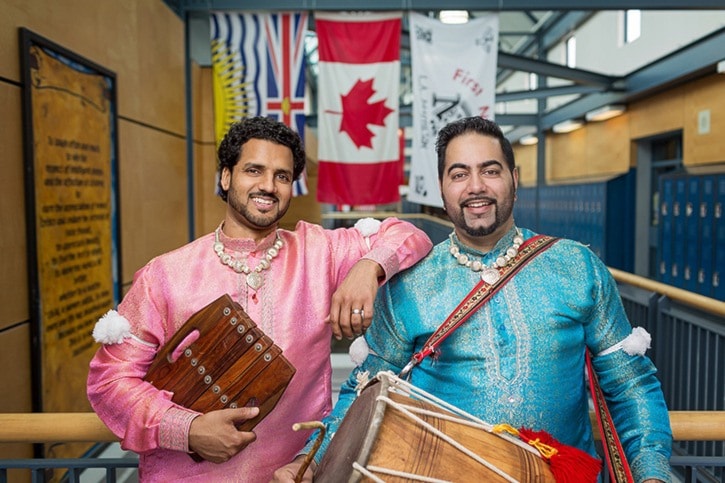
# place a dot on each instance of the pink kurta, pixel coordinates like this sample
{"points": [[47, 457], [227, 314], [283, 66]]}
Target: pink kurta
{"points": [[290, 308]]}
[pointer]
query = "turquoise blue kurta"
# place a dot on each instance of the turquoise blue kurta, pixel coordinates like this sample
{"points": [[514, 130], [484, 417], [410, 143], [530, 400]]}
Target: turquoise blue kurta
{"points": [[520, 358]]}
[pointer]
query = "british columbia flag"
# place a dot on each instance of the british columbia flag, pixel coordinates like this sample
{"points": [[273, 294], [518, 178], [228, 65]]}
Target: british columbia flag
{"points": [[259, 70]]}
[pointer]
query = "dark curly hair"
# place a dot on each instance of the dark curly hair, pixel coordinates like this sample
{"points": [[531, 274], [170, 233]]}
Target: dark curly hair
{"points": [[265, 128], [474, 124]]}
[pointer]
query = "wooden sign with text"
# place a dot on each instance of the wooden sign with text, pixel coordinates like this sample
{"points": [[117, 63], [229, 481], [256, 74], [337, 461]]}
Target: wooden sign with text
{"points": [[71, 202]]}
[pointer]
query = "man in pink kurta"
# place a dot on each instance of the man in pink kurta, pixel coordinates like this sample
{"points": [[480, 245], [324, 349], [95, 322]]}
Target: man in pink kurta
{"points": [[313, 288]]}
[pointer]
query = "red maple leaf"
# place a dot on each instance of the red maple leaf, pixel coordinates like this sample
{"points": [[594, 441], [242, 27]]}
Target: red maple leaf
{"points": [[357, 113]]}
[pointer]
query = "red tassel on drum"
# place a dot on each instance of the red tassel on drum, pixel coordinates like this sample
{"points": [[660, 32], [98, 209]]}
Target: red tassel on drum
{"points": [[568, 464]]}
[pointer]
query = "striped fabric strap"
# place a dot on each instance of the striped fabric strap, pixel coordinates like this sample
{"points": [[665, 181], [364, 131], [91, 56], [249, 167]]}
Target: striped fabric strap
{"points": [[612, 447]]}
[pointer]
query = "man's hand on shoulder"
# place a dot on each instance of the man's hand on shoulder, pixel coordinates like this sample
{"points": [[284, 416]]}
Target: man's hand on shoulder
{"points": [[214, 436]]}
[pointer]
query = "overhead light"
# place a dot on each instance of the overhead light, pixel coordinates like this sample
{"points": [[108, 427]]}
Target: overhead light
{"points": [[605, 112], [454, 16], [567, 126], [528, 140]]}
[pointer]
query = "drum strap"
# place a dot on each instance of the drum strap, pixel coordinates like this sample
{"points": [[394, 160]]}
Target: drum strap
{"points": [[480, 294], [611, 446]]}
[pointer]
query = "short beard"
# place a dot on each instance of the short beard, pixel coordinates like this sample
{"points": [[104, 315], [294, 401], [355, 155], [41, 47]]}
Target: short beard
{"points": [[256, 221], [482, 231], [503, 212]]}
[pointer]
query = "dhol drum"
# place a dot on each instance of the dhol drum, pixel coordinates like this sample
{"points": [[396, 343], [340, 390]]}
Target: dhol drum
{"points": [[395, 432]]}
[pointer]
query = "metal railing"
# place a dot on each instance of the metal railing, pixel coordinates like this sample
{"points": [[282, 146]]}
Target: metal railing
{"points": [[694, 426], [689, 353]]}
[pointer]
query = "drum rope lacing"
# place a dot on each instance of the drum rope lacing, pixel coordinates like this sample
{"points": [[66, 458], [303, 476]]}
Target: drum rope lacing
{"points": [[371, 470], [402, 387], [405, 388], [409, 412]]}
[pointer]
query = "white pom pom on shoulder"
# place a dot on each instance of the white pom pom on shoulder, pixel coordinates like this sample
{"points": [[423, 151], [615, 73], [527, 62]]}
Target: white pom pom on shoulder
{"points": [[112, 328], [368, 226], [637, 342]]}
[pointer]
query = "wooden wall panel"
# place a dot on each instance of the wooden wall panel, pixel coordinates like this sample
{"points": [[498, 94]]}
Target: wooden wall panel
{"points": [[15, 359], [596, 151], [699, 149], [209, 208], [607, 147], [203, 98], [15, 14], [160, 81], [526, 163], [566, 155], [15, 381], [658, 114], [13, 263], [142, 39], [154, 219]]}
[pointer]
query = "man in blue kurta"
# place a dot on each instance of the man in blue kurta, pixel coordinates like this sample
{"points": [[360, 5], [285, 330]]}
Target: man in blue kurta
{"points": [[520, 358]]}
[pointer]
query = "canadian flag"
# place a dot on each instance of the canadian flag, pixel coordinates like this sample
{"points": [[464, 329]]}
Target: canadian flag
{"points": [[359, 82]]}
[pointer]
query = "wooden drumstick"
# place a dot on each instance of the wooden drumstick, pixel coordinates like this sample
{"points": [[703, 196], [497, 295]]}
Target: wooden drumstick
{"points": [[318, 442]]}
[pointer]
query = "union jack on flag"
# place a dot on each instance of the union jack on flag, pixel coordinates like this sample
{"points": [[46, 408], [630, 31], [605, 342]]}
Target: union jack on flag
{"points": [[259, 70]]}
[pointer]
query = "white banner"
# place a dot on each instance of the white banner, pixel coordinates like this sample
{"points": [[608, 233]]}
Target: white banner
{"points": [[454, 76]]}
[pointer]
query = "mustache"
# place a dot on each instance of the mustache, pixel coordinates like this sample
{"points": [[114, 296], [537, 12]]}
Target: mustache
{"points": [[485, 199], [263, 194]]}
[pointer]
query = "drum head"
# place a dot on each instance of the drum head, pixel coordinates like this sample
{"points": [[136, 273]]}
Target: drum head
{"points": [[357, 431]]}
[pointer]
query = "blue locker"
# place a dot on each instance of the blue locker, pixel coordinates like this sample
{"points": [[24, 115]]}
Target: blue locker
{"points": [[692, 233], [524, 208], [596, 218], [592, 194], [616, 217], [600, 215], [560, 216], [678, 228], [545, 212], [718, 275], [707, 238], [665, 231]]}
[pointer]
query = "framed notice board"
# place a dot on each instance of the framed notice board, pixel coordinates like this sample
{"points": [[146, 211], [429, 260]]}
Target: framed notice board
{"points": [[71, 195]]}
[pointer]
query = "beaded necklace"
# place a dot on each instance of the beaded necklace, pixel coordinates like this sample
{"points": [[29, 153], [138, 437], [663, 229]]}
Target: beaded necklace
{"points": [[489, 274], [254, 278]]}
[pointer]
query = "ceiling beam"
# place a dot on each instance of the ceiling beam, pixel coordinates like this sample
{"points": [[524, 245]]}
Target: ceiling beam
{"points": [[545, 92], [703, 54], [553, 30], [183, 6], [548, 69], [517, 119], [694, 60]]}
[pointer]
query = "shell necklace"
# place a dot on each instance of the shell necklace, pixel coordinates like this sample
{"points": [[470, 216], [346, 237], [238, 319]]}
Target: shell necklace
{"points": [[255, 279], [490, 275]]}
